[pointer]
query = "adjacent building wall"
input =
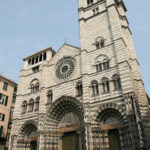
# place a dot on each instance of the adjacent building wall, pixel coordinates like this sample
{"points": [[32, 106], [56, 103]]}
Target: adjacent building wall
{"points": [[7, 100]]}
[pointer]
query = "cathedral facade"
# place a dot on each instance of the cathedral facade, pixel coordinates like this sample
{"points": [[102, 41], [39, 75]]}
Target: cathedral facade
{"points": [[88, 98]]}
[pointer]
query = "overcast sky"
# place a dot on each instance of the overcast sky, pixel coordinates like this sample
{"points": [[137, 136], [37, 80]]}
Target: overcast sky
{"points": [[26, 26]]}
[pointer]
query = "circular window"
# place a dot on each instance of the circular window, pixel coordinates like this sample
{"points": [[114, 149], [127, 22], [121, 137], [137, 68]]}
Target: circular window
{"points": [[65, 68]]}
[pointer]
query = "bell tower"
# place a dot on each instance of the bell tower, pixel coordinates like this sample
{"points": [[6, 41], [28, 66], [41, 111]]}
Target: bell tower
{"points": [[107, 50]]}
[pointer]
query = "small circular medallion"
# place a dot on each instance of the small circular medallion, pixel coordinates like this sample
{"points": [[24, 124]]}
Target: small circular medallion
{"points": [[65, 69]]}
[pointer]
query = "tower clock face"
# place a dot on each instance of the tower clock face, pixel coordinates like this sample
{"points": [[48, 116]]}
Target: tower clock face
{"points": [[65, 68]]}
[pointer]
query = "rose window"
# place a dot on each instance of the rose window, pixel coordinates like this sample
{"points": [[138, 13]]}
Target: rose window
{"points": [[65, 68]]}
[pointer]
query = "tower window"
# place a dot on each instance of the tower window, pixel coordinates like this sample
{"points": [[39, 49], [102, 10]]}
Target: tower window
{"points": [[37, 87], [34, 85], [99, 42], [116, 2], [37, 101], [31, 105], [89, 2], [79, 89], [37, 59], [106, 64], [98, 67], [94, 86], [50, 96], [116, 82], [41, 57], [32, 61], [44, 56], [102, 43], [105, 84], [97, 45], [24, 107], [32, 88], [35, 69], [29, 62], [95, 10]]}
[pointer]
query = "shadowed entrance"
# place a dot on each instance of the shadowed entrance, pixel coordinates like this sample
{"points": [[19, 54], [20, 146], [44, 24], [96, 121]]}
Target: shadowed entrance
{"points": [[108, 134], [114, 141], [28, 136], [32, 138], [67, 116], [70, 141]]}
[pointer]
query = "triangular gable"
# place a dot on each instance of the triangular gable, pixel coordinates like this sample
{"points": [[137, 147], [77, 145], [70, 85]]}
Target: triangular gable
{"points": [[64, 51]]}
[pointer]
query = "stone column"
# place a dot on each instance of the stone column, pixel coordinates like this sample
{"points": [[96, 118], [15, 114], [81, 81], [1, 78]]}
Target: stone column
{"points": [[41, 141], [60, 135], [88, 137]]}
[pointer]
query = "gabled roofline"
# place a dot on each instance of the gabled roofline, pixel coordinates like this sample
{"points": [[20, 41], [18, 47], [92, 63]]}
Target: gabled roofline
{"points": [[72, 46], [68, 45]]}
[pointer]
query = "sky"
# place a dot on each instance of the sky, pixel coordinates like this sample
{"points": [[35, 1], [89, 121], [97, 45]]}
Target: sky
{"points": [[27, 26]]}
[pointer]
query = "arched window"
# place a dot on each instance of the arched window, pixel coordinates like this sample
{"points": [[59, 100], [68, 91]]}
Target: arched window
{"points": [[32, 88], [37, 87], [89, 2], [24, 107], [31, 105], [116, 82], [105, 64], [94, 86], [99, 67], [79, 89], [37, 101], [34, 85], [102, 63], [105, 84], [50, 96], [99, 42]]}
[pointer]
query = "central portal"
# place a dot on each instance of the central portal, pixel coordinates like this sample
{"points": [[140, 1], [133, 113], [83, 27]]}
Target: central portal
{"points": [[70, 141], [114, 141], [33, 145]]}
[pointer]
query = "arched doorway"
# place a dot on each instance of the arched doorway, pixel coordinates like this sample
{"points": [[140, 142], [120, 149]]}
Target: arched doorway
{"points": [[32, 140], [28, 136], [109, 125], [112, 123], [69, 125], [67, 115]]}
